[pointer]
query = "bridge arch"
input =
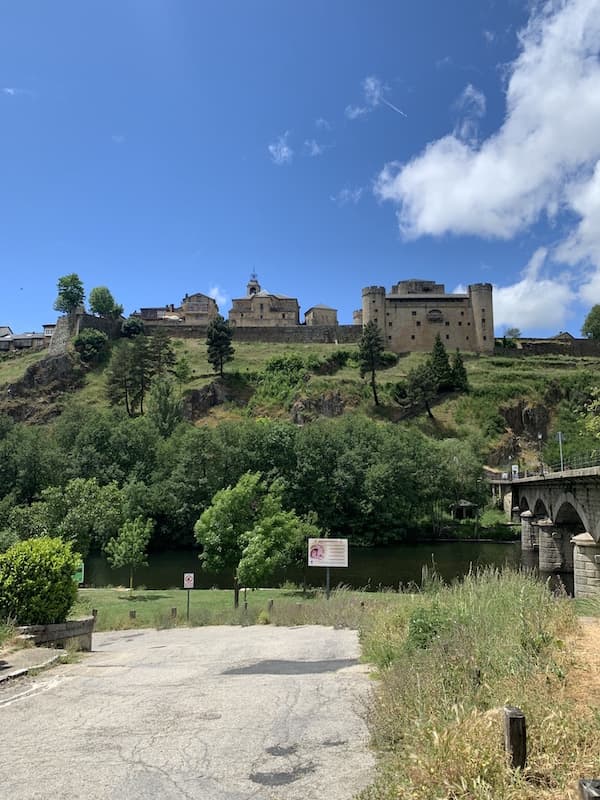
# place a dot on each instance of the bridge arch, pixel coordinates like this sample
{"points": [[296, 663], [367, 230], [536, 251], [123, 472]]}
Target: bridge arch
{"points": [[540, 508], [569, 511]]}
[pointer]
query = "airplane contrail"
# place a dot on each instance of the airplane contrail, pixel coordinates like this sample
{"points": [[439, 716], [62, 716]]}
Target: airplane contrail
{"points": [[392, 106]]}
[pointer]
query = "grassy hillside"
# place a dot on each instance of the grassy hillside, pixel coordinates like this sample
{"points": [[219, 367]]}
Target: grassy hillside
{"points": [[497, 384]]}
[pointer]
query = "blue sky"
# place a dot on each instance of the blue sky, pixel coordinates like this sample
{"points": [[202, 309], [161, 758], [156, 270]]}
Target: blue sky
{"points": [[168, 146]]}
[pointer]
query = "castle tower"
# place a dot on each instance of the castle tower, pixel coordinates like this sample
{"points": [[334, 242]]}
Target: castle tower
{"points": [[253, 286], [373, 305], [483, 316]]}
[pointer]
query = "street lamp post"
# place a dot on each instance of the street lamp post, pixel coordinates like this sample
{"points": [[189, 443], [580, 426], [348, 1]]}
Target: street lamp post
{"points": [[539, 437]]}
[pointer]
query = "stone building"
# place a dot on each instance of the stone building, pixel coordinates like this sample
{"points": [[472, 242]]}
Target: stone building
{"points": [[198, 309], [321, 315], [260, 308], [415, 311]]}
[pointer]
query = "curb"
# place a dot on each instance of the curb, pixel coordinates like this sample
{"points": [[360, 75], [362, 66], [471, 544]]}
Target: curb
{"points": [[22, 671]]}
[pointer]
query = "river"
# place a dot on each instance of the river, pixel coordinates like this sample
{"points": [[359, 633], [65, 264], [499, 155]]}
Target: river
{"points": [[368, 567]]}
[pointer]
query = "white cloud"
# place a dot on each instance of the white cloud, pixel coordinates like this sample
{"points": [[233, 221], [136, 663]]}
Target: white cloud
{"points": [[550, 134], [537, 301], [489, 36], [347, 196], [313, 148], [9, 91], [323, 124], [374, 92], [460, 289], [280, 150], [471, 105], [446, 61], [13, 91], [118, 139], [218, 295]]}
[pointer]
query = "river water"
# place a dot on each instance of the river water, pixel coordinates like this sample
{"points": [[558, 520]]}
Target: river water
{"points": [[373, 568]]}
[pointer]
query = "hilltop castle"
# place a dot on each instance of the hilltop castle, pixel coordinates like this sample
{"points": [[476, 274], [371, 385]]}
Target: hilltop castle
{"points": [[415, 311], [409, 316]]}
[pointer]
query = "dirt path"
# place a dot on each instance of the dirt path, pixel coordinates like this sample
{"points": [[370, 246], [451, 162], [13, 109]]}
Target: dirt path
{"points": [[585, 674]]}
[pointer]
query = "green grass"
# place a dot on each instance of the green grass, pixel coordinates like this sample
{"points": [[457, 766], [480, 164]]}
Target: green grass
{"points": [[14, 364], [215, 607]]}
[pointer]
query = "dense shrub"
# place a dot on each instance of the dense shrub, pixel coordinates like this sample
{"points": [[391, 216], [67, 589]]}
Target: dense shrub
{"points": [[36, 581], [92, 345]]}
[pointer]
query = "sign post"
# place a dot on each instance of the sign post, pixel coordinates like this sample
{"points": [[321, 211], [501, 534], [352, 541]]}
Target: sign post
{"points": [[328, 553], [188, 583]]}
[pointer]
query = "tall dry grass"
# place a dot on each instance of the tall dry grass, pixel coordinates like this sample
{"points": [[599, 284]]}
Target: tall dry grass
{"points": [[448, 661]]}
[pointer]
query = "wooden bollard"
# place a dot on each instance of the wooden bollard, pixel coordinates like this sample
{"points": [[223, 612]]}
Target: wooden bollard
{"points": [[515, 736], [132, 614], [245, 605], [94, 612], [270, 605], [589, 789], [173, 613]]}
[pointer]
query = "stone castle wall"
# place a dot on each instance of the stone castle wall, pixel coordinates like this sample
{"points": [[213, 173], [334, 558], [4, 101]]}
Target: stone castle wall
{"points": [[298, 334]]}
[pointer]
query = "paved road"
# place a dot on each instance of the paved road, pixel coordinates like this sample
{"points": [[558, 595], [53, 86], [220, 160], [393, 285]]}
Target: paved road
{"points": [[219, 713]]}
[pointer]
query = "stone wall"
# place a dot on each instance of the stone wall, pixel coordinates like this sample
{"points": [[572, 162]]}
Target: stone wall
{"points": [[298, 334], [547, 347]]}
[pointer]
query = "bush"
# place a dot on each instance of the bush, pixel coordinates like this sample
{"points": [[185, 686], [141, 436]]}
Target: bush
{"points": [[36, 581], [132, 327], [92, 345]]}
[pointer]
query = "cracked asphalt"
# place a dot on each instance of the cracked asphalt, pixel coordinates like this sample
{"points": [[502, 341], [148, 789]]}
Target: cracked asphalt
{"points": [[216, 713]]}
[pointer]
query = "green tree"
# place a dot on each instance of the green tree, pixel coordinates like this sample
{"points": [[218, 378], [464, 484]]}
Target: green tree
{"points": [[160, 352], [132, 327], [460, 378], [370, 354], [439, 364], [92, 345], [421, 388], [182, 371], [165, 409], [103, 303], [218, 342], [512, 333], [591, 326], [130, 374], [70, 293], [247, 521], [128, 549]]}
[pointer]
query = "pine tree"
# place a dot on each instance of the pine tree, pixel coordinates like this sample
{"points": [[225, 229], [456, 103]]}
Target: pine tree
{"points": [[160, 352], [370, 353], [459, 373], [218, 342], [439, 364]]}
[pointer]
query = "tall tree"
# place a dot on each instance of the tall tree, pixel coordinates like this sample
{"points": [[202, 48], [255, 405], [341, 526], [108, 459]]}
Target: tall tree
{"points": [[460, 379], [103, 303], [591, 326], [370, 354], [439, 364], [160, 352], [421, 387], [120, 378], [218, 342], [164, 406], [70, 293], [128, 549]]}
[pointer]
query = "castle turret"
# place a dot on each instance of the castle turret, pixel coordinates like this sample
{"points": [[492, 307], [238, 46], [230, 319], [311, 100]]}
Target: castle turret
{"points": [[373, 305], [483, 316]]}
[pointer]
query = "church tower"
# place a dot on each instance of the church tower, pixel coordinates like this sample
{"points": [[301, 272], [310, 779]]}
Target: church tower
{"points": [[253, 286]]}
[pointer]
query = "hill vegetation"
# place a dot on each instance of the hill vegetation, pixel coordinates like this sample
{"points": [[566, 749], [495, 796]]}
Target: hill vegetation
{"points": [[156, 428]]}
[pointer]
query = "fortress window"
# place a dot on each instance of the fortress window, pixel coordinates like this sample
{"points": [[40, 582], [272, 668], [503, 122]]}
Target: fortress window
{"points": [[468, 323], [485, 338], [447, 336], [283, 316], [482, 321], [459, 322], [467, 338], [462, 313], [447, 324], [414, 313], [483, 310], [390, 338], [390, 324], [418, 323], [413, 336], [261, 306]]}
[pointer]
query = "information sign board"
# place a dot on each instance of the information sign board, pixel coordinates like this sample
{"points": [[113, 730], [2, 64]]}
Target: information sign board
{"points": [[78, 575], [188, 580], [328, 552]]}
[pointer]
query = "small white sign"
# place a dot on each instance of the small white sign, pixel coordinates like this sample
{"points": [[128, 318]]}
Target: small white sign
{"points": [[328, 552], [515, 470], [188, 580]]}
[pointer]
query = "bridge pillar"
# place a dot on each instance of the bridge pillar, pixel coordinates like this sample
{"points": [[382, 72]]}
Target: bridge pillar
{"points": [[515, 514], [529, 536], [556, 550], [587, 566]]}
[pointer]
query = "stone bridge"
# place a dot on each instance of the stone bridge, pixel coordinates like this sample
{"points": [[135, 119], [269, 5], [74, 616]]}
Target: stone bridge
{"points": [[560, 518]]}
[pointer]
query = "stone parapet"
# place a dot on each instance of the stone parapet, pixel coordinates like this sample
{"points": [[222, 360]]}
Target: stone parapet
{"points": [[586, 560], [74, 632]]}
